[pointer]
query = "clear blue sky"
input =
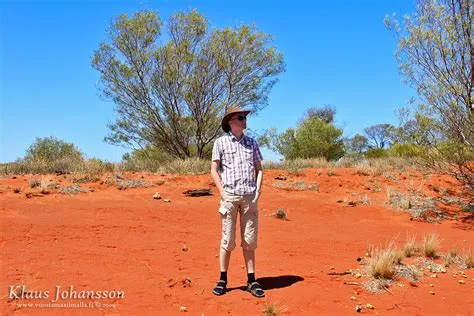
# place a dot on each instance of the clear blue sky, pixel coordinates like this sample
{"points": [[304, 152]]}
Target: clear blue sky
{"points": [[336, 52]]}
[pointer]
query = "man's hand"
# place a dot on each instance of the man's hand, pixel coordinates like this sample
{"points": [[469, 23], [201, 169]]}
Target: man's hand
{"points": [[257, 195]]}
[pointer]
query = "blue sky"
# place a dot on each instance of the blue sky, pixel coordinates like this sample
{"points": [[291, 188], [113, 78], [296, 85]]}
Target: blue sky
{"points": [[336, 52]]}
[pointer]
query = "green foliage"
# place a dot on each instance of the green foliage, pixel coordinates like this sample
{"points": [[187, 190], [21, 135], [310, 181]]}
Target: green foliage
{"points": [[172, 94], [312, 138], [404, 150], [50, 149], [376, 153], [434, 54]]}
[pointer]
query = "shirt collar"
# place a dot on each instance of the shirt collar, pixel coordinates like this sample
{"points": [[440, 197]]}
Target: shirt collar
{"points": [[234, 138]]}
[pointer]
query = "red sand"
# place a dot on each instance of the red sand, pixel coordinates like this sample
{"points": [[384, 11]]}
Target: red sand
{"points": [[125, 240]]}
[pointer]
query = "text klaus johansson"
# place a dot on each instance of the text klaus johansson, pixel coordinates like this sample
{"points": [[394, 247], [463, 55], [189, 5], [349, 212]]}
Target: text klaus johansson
{"points": [[21, 292]]}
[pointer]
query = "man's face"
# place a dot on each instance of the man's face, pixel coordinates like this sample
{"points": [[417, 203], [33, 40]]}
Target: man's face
{"points": [[238, 122]]}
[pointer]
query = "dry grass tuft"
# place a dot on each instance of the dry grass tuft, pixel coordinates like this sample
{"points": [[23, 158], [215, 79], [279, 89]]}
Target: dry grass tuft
{"points": [[271, 309], [468, 259], [383, 261], [430, 245], [410, 247]]}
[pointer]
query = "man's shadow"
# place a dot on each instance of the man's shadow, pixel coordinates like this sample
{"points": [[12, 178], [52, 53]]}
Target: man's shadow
{"points": [[278, 282]]}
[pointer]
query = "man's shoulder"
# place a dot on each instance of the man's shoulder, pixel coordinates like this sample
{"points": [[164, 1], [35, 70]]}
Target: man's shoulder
{"points": [[250, 140], [221, 138]]}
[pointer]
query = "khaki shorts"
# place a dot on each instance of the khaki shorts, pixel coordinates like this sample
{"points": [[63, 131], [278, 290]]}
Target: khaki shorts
{"points": [[229, 207]]}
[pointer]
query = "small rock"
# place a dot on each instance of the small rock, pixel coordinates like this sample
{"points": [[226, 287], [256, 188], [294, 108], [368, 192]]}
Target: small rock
{"points": [[461, 282], [217, 255], [432, 293], [353, 298], [332, 268], [358, 308], [187, 282], [166, 200], [157, 196], [431, 285], [443, 270], [280, 177], [369, 306], [358, 275], [183, 309], [185, 248], [434, 275], [464, 276]]}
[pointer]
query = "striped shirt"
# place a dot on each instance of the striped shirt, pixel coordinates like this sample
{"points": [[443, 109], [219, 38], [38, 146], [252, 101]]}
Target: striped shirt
{"points": [[237, 163]]}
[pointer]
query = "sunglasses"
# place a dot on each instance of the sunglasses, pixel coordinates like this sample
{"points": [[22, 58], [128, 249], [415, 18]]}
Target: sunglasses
{"points": [[240, 118]]}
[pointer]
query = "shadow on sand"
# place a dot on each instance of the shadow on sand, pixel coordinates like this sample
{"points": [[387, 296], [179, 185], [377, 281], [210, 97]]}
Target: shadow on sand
{"points": [[277, 282]]}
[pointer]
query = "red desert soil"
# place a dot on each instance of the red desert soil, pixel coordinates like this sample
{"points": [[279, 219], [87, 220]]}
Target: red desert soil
{"points": [[125, 240]]}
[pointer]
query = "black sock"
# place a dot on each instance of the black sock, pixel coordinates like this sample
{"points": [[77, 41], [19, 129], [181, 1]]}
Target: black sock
{"points": [[251, 277], [224, 276]]}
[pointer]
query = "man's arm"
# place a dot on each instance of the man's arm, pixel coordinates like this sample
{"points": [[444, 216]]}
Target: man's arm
{"points": [[216, 177], [259, 172]]}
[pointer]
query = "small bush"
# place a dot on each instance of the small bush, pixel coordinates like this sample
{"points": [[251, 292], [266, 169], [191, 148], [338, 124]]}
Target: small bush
{"points": [[383, 261], [410, 247], [271, 309], [430, 245], [376, 153], [468, 259]]}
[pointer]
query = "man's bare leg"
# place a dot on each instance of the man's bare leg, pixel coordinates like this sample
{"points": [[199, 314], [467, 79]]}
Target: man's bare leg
{"points": [[224, 259]]}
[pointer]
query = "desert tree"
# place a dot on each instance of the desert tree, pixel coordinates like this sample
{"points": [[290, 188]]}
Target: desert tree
{"points": [[436, 56], [379, 135], [171, 94]]}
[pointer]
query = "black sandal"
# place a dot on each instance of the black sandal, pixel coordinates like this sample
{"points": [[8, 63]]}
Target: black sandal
{"points": [[221, 288], [255, 289]]}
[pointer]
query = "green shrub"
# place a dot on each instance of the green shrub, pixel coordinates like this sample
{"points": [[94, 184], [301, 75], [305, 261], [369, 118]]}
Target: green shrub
{"points": [[376, 153]]}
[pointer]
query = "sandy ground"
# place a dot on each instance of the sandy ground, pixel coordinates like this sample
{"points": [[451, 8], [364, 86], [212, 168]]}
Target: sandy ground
{"points": [[125, 240]]}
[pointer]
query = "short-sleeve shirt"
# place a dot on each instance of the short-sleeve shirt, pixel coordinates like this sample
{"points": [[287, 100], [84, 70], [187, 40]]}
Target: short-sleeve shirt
{"points": [[237, 163]]}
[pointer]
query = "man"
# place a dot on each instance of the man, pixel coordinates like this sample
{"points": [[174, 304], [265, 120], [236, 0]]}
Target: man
{"points": [[237, 172]]}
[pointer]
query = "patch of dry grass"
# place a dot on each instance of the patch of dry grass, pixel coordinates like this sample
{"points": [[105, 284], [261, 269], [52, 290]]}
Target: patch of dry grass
{"points": [[468, 258], [382, 262], [410, 247], [430, 245]]}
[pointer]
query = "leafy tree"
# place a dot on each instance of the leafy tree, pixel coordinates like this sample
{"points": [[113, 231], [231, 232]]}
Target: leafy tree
{"points": [[358, 144], [435, 54], [313, 137], [325, 113], [380, 135], [51, 149], [172, 95]]}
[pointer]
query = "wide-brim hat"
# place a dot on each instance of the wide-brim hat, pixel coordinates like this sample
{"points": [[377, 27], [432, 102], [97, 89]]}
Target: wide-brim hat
{"points": [[231, 111]]}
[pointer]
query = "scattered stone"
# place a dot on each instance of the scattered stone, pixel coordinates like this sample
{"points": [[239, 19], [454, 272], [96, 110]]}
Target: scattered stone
{"points": [[185, 248], [443, 270], [353, 298], [157, 196], [358, 308], [432, 293], [431, 285], [183, 309], [434, 275], [369, 306], [187, 282], [280, 177], [217, 255], [166, 200], [358, 275], [160, 182], [461, 282], [464, 276], [332, 268]]}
